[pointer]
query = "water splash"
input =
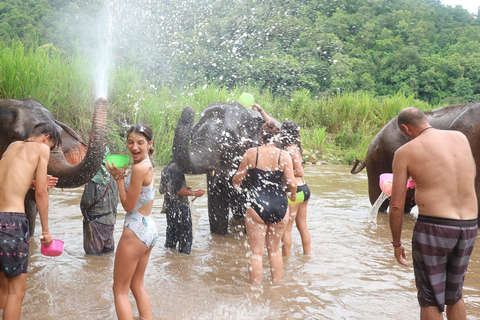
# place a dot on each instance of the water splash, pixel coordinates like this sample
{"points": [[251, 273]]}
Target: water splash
{"points": [[104, 51], [376, 206]]}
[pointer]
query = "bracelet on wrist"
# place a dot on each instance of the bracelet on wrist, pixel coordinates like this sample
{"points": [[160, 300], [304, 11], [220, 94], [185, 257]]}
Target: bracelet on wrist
{"points": [[396, 245], [120, 177]]}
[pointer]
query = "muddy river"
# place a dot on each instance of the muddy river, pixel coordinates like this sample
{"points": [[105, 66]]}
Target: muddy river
{"points": [[351, 273]]}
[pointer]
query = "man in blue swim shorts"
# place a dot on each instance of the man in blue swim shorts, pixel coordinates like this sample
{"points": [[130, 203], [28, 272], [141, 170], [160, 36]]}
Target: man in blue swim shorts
{"points": [[442, 165], [21, 163]]}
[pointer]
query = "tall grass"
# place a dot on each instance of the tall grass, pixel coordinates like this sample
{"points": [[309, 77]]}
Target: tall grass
{"points": [[336, 128]]}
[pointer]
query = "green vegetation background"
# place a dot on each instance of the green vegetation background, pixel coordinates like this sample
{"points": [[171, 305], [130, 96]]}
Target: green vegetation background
{"points": [[341, 69]]}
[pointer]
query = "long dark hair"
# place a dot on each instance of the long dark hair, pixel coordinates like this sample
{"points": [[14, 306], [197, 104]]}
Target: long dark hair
{"points": [[145, 131], [290, 134]]}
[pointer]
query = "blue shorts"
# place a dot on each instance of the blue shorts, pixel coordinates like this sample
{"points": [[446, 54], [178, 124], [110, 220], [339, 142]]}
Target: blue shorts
{"points": [[14, 239]]}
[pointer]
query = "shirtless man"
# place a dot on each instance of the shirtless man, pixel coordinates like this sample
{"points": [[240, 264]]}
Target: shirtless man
{"points": [[442, 166], [22, 162]]}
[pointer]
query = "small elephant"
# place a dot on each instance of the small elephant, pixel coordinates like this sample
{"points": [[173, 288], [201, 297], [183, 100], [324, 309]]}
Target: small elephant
{"points": [[379, 159], [215, 146], [74, 163]]}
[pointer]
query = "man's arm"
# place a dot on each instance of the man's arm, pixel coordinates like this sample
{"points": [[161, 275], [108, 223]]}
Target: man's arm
{"points": [[397, 204], [41, 193]]}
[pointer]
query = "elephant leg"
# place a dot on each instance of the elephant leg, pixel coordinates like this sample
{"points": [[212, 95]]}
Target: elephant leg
{"points": [[218, 208], [31, 210]]}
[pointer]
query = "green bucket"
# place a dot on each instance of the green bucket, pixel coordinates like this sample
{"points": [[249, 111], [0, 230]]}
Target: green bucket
{"points": [[246, 100], [117, 159]]}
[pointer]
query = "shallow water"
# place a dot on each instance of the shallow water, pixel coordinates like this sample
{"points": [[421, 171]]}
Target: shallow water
{"points": [[351, 273]]}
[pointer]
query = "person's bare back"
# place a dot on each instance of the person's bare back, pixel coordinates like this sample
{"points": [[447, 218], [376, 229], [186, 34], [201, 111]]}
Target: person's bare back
{"points": [[18, 166], [442, 166]]}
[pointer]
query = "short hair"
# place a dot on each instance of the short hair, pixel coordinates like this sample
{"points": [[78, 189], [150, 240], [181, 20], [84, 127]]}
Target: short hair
{"points": [[411, 116], [48, 129], [145, 131], [269, 131]]}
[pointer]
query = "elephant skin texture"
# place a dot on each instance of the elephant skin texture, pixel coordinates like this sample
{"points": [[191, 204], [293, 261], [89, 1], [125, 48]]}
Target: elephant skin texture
{"points": [[74, 163], [464, 118], [214, 146]]}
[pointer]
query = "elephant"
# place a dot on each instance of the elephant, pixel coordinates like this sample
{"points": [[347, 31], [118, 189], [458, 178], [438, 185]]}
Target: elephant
{"points": [[215, 146], [74, 163], [464, 118]]}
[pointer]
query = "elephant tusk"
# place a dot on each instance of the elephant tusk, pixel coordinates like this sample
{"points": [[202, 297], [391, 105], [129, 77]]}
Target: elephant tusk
{"points": [[213, 173]]}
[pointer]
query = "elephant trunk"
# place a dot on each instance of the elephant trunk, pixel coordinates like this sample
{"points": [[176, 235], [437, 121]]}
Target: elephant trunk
{"points": [[194, 159], [71, 176]]}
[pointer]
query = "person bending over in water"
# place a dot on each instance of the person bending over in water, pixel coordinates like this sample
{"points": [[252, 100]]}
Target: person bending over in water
{"points": [[291, 142], [22, 162], [136, 193], [267, 204], [442, 165]]}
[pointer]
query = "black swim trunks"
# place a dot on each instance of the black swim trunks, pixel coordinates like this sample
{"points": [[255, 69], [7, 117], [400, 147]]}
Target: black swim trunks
{"points": [[441, 252], [14, 239]]}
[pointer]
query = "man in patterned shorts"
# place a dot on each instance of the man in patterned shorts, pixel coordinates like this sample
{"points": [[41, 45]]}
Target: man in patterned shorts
{"points": [[21, 163], [442, 165]]}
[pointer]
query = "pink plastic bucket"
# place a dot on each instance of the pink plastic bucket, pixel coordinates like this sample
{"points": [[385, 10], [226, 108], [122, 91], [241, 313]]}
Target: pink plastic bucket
{"points": [[54, 249], [386, 183]]}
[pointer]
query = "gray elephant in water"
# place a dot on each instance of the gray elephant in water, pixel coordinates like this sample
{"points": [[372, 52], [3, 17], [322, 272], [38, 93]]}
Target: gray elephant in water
{"points": [[215, 146], [379, 159], [74, 163]]}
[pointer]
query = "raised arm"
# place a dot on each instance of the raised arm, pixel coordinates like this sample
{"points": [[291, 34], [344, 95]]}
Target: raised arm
{"points": [[265, 115]]}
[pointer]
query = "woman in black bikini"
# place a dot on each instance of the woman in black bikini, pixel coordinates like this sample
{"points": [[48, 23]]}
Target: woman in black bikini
{"points": [[267, 206], [290, 140]]}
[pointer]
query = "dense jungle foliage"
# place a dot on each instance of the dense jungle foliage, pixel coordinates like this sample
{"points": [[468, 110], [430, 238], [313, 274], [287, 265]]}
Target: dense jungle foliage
{"points": [[341, 69]]}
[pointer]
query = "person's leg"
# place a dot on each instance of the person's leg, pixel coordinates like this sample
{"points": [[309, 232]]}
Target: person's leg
{"points": [[92, 238], [138, 288], [301, 222], [274, 234], [185, 230], [109, 245], [457, 311], [170, 241], [17, 286], [3, 290], [129, 251], [430, 313], [256, 229], [287, 235]]}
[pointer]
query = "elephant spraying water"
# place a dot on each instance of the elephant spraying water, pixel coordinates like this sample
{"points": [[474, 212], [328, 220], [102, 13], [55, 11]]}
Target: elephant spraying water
{"points": [[74, 162], [464, 118]]}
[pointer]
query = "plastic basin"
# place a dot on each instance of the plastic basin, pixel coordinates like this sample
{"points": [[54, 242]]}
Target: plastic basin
{"points": [[246, 100], [117, 159], [54, 249], [386, 183]]}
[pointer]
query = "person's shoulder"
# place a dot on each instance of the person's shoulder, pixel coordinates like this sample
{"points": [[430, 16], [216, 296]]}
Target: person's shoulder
{"points": [[143, 166]]}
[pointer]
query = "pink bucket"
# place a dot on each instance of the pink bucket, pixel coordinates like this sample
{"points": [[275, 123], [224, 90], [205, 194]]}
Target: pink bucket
{"points": [[54, 249], [386, 183]]}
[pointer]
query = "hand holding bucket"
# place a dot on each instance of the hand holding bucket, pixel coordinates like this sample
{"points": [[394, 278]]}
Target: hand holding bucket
{"points": [[55, 248]]}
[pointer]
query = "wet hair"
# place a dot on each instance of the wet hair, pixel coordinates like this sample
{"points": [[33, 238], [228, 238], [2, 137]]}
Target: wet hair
{"points": [[411, 116], [145, 131], [48, 129], [290, 134], [269, 132]]}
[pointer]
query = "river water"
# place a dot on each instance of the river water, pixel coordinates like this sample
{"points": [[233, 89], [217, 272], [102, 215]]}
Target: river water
{"points": [[351, 273]]}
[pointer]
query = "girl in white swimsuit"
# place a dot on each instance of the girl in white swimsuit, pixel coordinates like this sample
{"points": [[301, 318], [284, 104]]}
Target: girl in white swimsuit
{"points": [[136, 193]]}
